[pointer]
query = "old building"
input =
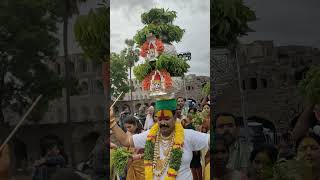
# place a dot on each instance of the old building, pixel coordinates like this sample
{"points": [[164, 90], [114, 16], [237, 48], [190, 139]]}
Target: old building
{"points": [[269, 76], [87, 114]]}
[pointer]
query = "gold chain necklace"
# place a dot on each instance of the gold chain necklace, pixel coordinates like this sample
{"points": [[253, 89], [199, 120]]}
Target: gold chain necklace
{"points": [[160, 165]]}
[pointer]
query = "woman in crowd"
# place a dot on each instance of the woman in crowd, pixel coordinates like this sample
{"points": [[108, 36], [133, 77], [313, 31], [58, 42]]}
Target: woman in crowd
{"points": [[263, 160], [135, 164], [308, 151], [220, 160]]}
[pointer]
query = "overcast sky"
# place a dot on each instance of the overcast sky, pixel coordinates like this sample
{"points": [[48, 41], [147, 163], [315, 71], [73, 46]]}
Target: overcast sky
{"points": [[286, 22], [193, 16]]}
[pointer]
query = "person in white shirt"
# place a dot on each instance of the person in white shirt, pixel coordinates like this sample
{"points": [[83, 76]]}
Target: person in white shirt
{"points": [[149, 119], [165, 138]]}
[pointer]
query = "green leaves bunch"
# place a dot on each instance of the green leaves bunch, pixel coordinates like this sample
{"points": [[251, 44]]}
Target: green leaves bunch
{"points": [[158, 15], [174, 65], [141, 71], [120, 158], [166, 32]]}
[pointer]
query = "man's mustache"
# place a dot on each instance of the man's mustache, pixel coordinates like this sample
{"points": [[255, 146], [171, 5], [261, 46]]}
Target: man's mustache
{"points": [[164, 125]]}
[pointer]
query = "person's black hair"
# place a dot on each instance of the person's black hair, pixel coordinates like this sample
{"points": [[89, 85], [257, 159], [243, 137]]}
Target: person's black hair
{"points": [[47, 144], [308, 135], [194, 109], [184, 99], [134, 121], [153, 104], [206, 104], [269, 149], [236, 120]]}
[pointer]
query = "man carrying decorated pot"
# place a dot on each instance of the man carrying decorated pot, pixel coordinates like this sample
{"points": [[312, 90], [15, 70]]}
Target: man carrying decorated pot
{"points": [[167, 145]]}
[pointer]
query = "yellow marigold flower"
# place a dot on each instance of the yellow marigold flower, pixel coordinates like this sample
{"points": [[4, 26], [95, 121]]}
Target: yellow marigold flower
{"points": [[148, 173], [172, 171]]}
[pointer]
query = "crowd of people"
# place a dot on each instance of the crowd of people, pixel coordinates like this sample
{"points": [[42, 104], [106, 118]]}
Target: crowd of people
{"points": [[140, 124], [296, 156]]}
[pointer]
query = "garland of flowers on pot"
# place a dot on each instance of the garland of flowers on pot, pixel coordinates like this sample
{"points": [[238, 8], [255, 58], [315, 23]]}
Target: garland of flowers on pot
{"points": [[176, 152]]}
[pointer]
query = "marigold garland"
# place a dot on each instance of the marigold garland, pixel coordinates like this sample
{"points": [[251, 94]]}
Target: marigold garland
{"points": [[176, 153], [145, 47], [146, 83]]}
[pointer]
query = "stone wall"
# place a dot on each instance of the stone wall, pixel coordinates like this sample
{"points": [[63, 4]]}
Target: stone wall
{"points": [[269, 79]]}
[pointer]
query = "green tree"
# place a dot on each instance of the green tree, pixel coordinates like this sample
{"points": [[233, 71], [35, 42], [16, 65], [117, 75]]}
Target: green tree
{"points": [[63, 10], [92, 33], [27, 45], [119, 78], [206, 89], [131, 55], [229, 20]]}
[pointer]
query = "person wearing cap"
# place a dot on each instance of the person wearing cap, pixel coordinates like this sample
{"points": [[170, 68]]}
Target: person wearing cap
{"points": [[168, 146]]}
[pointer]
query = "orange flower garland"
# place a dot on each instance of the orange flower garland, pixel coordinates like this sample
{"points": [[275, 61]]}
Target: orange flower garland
{"points": [[146, 83], [177, 151]]}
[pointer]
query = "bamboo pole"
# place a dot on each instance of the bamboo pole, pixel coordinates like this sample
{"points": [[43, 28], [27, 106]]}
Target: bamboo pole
{"points": [[20, 122]]}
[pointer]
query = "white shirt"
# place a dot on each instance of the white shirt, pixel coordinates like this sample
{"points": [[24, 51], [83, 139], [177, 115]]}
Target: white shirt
{"points": [[149, 122], [193, 141]]}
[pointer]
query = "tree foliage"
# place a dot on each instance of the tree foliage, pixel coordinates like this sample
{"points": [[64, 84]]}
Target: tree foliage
{"points": [[229, 21], [130, 53], [119, 76], [27, 45], [159, 22], [157, 16], [61, 8], [92, 33], [206, 88], [310, 85]]}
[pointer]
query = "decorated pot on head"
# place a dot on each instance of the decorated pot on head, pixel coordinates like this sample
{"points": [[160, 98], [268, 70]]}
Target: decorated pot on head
{"points": [[158, 83], [152, 48]]}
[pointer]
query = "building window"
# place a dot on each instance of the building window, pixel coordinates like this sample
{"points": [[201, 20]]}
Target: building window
{"points": [[264, 83], [58, 68], [99, 85], [84, 88], [84, 67], [243, 84], [72, 67], [253, 83]]}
